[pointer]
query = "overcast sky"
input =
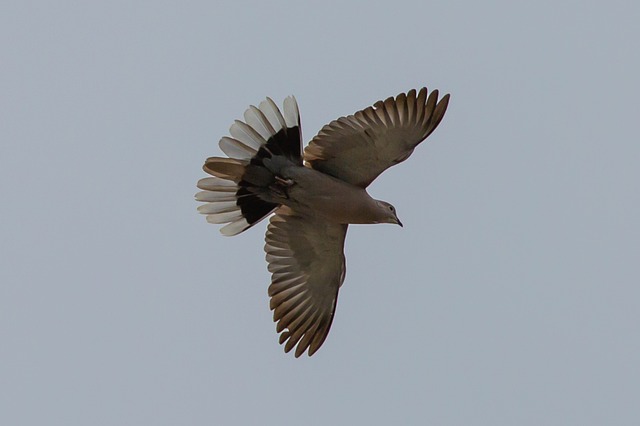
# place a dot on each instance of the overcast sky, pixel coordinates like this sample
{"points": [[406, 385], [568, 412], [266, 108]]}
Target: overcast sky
{"points": [[510, 297]]}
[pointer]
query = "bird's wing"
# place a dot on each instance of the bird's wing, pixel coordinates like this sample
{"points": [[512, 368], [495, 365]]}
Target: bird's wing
{"points": [[307, 264], [357, 148]]}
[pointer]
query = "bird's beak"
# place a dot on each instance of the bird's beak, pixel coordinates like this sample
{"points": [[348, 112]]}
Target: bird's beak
{"points": [[398, 222]]}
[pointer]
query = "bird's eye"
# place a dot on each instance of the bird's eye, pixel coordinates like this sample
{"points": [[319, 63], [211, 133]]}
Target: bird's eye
{"points": [[391, 208]]}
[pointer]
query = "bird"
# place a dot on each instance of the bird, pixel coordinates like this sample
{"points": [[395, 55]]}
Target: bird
{"points": [[311, 196]]}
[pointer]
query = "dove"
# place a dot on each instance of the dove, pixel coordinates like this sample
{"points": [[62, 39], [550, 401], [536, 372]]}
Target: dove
{"points": [[312, 196]]}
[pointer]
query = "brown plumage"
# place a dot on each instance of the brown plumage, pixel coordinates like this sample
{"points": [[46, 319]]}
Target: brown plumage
{"points": [[314, 197]]}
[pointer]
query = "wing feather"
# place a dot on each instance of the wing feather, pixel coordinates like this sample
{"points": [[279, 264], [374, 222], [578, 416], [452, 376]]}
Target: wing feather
{"points": [[357, 148], [307, 263]]}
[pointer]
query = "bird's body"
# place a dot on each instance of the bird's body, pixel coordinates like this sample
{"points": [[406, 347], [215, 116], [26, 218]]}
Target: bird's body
{"points": [[315, 195]]}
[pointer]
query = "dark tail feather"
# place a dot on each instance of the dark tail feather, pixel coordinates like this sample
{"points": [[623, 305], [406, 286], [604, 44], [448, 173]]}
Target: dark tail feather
{"points": [[238, 193]]}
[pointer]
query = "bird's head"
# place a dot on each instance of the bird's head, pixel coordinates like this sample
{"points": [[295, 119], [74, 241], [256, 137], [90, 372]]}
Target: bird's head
{"points": [[387, 213]]}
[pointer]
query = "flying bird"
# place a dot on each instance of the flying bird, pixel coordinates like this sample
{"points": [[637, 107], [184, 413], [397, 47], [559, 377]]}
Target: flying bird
{"points": [[311, 195]]}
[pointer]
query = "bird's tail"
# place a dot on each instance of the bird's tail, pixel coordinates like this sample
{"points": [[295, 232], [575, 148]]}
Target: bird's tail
{"points": [[238, 191]]}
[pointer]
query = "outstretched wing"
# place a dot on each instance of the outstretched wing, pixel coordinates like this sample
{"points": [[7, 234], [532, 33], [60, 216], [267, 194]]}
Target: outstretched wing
{"points": [[307, 264], [357, 148]]}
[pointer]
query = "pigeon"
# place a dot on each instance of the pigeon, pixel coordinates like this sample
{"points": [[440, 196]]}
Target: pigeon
{"points": [[312, 196]]}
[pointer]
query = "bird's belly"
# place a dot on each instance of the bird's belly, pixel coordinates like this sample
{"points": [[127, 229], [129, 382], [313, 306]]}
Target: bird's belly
{"points": [[316, 194]]}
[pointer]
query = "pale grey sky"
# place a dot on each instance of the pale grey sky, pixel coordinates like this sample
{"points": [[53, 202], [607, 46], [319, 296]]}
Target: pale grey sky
{"points": [[510, 297]]}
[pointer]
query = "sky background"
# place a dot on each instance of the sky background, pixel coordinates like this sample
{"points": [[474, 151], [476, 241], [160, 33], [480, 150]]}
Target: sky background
{"points": [[510, 297]]}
